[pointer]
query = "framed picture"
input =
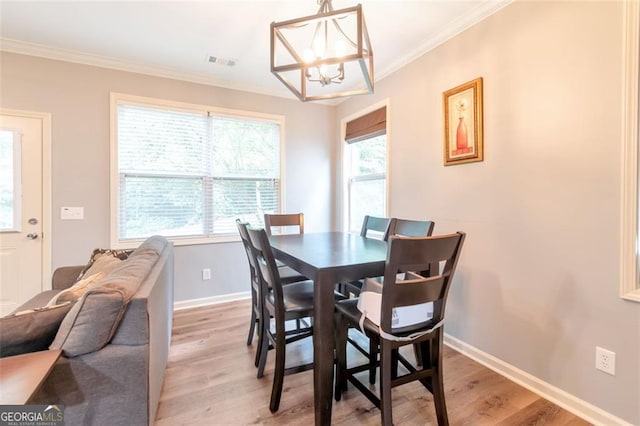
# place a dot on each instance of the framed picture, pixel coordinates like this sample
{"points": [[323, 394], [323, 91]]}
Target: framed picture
{"points": [[463, 123]]}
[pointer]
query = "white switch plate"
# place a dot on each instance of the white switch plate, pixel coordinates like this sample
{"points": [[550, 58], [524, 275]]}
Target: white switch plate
{"points": [[206, 274], [72, 213]]}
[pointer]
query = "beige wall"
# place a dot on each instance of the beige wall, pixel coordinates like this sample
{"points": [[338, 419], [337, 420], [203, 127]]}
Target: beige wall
{"points": [[537, 284], [77, 96]]}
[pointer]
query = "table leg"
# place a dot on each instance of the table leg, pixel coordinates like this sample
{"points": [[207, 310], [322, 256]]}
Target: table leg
{"points": [[323, 344]]}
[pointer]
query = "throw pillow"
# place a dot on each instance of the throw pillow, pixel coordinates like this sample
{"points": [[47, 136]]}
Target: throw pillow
{"points": [[92, 321], [98, 253], [31, 330], [104, 264], [76, 291]]}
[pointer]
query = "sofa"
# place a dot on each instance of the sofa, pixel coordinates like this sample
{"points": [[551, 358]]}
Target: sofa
{"points": [[114, 333]]}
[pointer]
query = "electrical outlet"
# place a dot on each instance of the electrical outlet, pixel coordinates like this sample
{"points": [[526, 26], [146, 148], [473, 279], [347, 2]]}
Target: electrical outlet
{"points": [[206, 274], [605, 361]]}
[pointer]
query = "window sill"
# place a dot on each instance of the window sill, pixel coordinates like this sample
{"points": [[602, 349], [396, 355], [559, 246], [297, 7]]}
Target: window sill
{"points": [[633, 296], [179, 241]]}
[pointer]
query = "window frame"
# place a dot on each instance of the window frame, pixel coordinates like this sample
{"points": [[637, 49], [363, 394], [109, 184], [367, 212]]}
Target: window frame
{"points": [[629, 233], [346, 178], [121, 98]]}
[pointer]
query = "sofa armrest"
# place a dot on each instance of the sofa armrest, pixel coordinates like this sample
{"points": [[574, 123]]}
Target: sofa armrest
{"points": [[65, 277]]}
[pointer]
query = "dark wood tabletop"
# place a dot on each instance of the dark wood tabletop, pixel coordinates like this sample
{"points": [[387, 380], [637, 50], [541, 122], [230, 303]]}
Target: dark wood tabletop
{"points": [[328, 258], [22, 375]]}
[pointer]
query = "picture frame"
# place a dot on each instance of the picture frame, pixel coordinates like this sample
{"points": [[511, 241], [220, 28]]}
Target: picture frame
{"points": [[463, 133]]}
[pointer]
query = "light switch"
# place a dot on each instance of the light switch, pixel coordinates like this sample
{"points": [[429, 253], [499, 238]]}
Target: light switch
{"points": [[72, 213]]}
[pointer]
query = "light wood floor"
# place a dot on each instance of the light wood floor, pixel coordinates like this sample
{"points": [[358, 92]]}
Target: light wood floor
{"points": [[211, 380]]}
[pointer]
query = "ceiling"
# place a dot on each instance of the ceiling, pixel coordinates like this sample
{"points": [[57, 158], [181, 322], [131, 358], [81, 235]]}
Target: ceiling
{"points": [[175, 38]]}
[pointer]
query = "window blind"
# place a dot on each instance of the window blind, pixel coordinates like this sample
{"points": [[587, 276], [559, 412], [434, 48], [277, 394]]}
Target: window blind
{"points": [[191, 174]]}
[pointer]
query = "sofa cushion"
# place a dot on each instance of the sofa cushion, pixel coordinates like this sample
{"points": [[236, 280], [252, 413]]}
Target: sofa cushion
{"points": [[76, 291], [98, 253], [94, 319], [91, 322], [31, 330]]}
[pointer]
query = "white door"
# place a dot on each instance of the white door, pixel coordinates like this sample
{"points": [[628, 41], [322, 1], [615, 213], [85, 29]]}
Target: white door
{"points": [[21, 210]]}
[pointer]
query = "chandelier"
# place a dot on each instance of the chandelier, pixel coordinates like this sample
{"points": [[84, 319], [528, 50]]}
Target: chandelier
{"points": [[323, 56]]}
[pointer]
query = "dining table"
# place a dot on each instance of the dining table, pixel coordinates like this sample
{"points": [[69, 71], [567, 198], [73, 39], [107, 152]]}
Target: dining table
{"points": [[328, 258]]}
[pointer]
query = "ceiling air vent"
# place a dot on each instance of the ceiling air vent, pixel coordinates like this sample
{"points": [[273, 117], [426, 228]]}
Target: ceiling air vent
{"points": [[227, 62]]}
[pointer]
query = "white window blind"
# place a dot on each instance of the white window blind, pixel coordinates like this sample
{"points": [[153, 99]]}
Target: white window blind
{"points": [[191, 174]]}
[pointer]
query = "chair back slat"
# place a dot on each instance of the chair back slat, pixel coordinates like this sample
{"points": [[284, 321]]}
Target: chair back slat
{"points": [[379, 226], [411, 228], [282, 221], [404, 252], [413, 292]]}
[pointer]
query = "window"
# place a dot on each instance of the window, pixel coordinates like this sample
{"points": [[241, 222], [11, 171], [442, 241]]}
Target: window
{"points": [[189, 174], [365, 168], [10, 180]]}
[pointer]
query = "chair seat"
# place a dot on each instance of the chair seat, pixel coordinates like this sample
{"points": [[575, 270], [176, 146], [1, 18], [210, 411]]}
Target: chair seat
{"points": [[298, 297], [288, 275]]}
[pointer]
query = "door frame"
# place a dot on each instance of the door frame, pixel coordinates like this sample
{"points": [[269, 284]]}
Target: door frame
{"points": [[45, 118]]}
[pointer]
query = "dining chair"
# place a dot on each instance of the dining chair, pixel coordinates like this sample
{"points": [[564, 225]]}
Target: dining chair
{"points": [[400, 291], [284, 221], [287, 275], [281, 303]]}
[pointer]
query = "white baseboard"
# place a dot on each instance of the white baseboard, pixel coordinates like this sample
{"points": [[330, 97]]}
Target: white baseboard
{"points": [[213, 300], [580, 408]]}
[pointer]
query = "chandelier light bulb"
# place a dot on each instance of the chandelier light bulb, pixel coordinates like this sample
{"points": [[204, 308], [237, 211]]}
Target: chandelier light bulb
{"points": [[308, 55]]}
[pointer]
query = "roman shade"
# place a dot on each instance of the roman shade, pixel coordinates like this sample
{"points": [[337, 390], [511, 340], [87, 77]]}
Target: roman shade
{"points": [[367, 126]]}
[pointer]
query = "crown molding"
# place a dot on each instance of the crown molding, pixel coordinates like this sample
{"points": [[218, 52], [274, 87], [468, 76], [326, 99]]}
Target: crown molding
{"points": [[50, 52], [461, 24]]}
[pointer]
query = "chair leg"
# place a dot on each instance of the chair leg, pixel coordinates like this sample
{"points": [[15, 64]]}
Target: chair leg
{"points": [[263, 344], [373, 359], [394, 363], [256, 361], [418, 354], [252, 326], [385, 384], [438, 384], [278, 374], [341, 330]]}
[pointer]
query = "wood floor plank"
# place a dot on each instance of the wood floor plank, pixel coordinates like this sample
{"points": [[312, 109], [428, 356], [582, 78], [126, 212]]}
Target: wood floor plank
{"points": [[211, 380]]}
